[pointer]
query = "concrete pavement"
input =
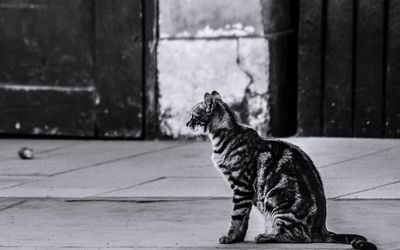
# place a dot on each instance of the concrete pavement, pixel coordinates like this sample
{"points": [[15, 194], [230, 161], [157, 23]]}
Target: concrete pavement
{"points": [[183, 223], [166, 194]]}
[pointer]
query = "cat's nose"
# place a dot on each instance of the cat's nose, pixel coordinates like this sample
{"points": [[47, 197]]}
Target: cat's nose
{"points": [[187, 124]]}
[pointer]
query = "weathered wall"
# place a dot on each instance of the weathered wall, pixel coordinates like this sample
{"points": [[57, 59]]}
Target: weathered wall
{"points": [[212, 45]]}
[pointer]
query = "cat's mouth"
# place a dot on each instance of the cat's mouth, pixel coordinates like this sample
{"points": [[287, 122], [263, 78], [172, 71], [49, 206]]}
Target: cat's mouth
{"points": [[194, 130], [196, 126]]}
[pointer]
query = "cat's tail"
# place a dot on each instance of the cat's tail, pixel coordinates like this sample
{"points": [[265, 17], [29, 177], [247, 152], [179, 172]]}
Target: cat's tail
{"points": [[355, 240]]}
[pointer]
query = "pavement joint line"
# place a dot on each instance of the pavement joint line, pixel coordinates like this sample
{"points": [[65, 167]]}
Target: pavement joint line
{"points": [[367, 189], [133, 201], [99, 164], [149, 199], [13, 205], [142, 199], [119, 159], [243, 245], [46, 150], [16, 185], [248, 244], [24, 175], [131, 186], [63, 146], [23, 182], [195, 177], [358, 157]]}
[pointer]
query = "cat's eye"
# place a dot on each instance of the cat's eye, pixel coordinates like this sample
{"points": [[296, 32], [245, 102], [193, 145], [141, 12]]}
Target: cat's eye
{"points": [[198, 120]]}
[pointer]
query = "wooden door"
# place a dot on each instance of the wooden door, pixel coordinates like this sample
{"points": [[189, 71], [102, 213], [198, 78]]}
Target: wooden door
{"points": [[348, 80], [71, 67]]}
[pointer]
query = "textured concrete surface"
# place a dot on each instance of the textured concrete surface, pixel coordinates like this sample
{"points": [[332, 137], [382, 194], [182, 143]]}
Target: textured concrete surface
{"points": [[8, 146], [209, 18], [194, 224], [202, 49], [69, 171], [349, 168], [239, 48], [385, 191], [135, 194], [235, 67], [187, 69], [57, 160]]}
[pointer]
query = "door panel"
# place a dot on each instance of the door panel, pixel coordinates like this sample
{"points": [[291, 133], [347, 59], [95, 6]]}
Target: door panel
{"points": [[119, 67], [46, 63], [348, 81], [42, 111], [71, 67]]}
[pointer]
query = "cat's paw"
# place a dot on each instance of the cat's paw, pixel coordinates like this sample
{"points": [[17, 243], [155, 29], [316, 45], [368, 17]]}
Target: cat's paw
{"points": [[231, 237], [265, 238]]}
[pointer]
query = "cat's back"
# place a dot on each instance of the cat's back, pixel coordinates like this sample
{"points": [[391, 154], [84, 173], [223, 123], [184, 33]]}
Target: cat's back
{"points": [[291, 162], [280, 148]]}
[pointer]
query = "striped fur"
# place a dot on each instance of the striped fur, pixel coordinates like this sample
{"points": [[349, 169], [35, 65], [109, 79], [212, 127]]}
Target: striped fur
{"points": [[275, 176]]}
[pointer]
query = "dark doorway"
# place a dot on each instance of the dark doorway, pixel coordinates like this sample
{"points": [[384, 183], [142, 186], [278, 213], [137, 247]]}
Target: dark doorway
{"points": [[72, 68]]}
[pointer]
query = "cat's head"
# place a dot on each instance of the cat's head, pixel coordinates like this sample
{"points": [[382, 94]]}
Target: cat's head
{"points": [[208, 114]]}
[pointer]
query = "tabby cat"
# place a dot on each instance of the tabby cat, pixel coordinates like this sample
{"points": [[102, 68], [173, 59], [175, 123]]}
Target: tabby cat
{"points": [[275, 176]]}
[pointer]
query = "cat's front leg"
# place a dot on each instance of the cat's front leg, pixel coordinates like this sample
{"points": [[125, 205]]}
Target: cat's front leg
{"points": [[242, 204]]}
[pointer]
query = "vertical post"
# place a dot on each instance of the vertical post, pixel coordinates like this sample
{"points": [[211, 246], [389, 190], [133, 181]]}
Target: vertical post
{"points": [[338, 71], [369, 83], [280, 26], [392, 103], [150, 30], [309, 68], [119, 72]]}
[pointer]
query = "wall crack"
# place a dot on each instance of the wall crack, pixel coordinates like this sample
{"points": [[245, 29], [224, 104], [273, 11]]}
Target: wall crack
{"points": [[254, 107]]}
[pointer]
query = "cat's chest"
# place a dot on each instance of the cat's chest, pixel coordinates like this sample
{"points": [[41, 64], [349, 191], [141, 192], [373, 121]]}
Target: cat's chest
{"points": [[218, 161]]}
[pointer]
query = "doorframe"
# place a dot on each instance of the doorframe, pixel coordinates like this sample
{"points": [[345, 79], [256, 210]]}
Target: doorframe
{"points": [[150, 74]]}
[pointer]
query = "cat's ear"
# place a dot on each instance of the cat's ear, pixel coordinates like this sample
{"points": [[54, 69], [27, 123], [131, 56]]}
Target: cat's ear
{"points": [[209, 102], [216, 95]]}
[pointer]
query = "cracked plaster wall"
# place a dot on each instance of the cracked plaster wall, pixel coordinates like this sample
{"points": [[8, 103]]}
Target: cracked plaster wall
{"points": [[203, 53]]}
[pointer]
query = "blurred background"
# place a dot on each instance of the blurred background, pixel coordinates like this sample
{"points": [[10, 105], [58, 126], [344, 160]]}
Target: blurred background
{"points": [[134, 68]]}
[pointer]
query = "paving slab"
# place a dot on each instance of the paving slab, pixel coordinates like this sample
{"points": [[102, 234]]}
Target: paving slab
{"points": [[79, 156], [167, 169], [391, 191], [12, 181], [153, 195], [177, 187], [327, 151], [9, 147], [364, 173], [171, 161], [8, 203], [194, 224]]}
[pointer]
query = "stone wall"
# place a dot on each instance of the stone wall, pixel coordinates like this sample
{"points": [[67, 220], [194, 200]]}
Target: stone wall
{"points": [[207, 45]]}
